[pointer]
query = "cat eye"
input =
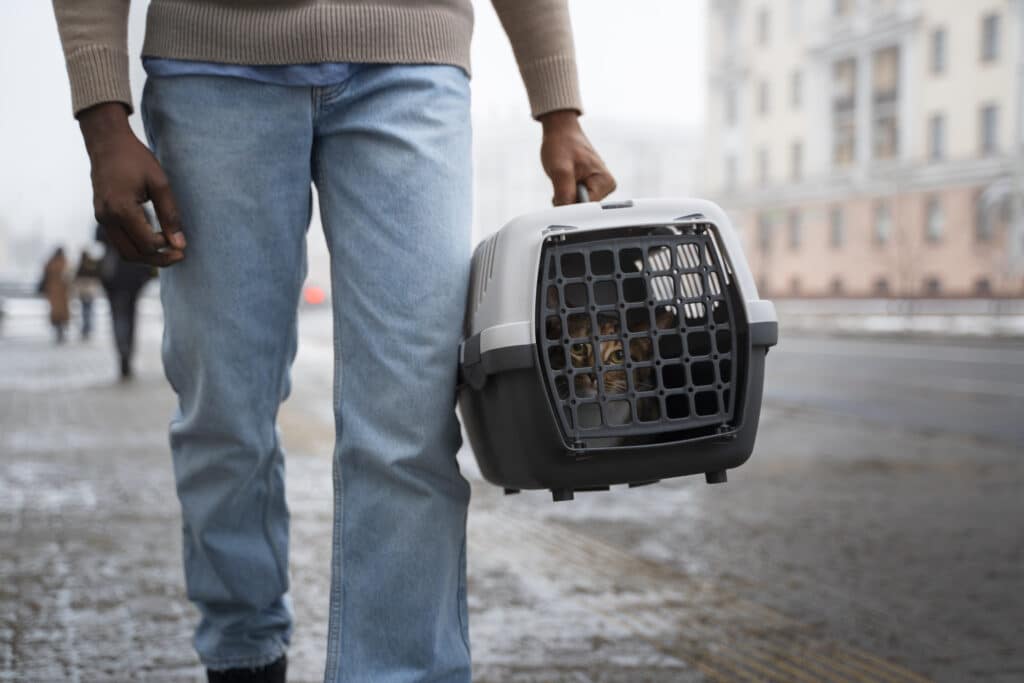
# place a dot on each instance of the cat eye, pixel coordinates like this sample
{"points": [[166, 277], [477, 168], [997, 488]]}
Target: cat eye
{"points": [[579, 348], [618, 356]]}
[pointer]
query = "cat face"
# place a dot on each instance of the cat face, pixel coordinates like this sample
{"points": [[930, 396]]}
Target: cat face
{"points": [[611, 355], [612, 352]]}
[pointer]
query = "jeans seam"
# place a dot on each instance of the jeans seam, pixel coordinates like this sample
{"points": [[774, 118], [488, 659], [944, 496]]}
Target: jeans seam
{"points": [[334, 627], [461, 596], [332, 93]]}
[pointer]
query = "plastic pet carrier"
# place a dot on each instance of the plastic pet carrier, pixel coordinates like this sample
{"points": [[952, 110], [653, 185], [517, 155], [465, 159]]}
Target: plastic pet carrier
{"points": [[614, 343]]}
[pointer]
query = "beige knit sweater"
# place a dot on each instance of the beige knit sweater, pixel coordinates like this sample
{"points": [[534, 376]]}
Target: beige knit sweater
{"points": [[94, 35]]}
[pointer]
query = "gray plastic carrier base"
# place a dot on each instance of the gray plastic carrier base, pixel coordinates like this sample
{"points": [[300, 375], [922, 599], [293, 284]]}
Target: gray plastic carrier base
{"points": [[523, 448]]}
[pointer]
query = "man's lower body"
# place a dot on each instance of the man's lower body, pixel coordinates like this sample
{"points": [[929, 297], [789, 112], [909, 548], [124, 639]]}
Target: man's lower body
{"points": [[123, 306], [389, 152]]}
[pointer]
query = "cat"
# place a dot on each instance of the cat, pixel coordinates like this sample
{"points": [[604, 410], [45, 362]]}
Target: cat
{"points": [[613, 354]]}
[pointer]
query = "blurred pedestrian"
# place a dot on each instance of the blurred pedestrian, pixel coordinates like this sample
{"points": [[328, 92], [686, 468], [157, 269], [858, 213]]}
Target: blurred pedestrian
{"points": [[54, 286], [87, 287], [123, 282]]}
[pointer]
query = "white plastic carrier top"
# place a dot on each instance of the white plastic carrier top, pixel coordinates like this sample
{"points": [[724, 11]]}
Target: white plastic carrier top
{"points": [[503, 294]]}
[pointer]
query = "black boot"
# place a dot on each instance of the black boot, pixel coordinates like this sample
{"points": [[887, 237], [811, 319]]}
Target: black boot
{"points": [[126, 368], [270, 673]]}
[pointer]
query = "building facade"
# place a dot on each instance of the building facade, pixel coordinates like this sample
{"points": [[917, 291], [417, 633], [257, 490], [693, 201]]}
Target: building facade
{"points": [[870, 147]]}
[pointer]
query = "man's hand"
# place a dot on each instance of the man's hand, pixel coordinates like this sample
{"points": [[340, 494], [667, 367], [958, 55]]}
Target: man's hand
{"points": [[568, 159], [125, 175]]}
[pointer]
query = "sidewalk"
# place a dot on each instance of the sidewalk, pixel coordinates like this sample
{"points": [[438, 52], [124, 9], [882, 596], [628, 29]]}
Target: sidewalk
{"points": [[679, 583]]}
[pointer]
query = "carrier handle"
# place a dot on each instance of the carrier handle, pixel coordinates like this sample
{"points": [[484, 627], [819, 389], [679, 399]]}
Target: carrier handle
{"points": [[582, 194]]}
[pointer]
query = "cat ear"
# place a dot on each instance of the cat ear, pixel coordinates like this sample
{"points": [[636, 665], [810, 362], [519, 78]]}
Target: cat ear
{"points": [[665, 317], [552, 297]]}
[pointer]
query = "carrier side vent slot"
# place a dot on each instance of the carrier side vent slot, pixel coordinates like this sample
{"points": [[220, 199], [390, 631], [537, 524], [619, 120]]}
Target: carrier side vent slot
{"points": [[485, 271]]}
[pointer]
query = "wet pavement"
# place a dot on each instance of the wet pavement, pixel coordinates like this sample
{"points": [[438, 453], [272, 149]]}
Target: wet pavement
{"points": [[875, 535]]}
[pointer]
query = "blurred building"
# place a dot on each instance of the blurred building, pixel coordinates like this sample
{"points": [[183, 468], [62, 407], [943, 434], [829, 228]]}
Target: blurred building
{"points": [[870, 147]]}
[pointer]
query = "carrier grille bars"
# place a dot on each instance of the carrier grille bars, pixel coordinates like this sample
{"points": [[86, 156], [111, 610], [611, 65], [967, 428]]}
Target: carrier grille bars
{"points": [[636, 335]]}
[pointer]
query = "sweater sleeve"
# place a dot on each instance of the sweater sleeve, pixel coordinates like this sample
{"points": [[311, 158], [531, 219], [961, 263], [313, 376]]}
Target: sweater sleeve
{"points": [[94, 34], [541, 37]]}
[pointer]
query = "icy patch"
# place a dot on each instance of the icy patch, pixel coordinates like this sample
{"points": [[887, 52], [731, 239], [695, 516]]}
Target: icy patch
{"points": [[68, 439], [43, 487]]}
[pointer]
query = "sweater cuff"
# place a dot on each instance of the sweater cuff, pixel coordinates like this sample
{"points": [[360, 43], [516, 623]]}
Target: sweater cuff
{"points": [[98, 74], [552, 84]]}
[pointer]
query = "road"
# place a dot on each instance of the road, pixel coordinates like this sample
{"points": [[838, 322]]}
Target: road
{"points": [[970, 388], [875, 534]]}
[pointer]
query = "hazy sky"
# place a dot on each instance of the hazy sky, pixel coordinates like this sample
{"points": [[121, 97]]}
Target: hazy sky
{"points": [[643, 65]]}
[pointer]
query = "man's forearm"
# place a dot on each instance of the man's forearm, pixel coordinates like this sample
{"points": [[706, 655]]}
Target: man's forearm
{"points": [[101, 122], [553, 121]]}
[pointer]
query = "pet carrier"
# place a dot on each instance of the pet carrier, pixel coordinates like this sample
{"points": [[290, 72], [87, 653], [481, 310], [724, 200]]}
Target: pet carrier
{"points": [[612, 343]]}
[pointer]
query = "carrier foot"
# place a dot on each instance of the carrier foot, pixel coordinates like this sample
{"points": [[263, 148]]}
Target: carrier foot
{"points": [[511, 492], [718, 477], [561, 494]]}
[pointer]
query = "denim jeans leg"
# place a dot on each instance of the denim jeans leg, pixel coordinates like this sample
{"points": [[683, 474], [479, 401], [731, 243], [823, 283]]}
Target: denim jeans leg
{"points": [[237, 156], [392, 165]]}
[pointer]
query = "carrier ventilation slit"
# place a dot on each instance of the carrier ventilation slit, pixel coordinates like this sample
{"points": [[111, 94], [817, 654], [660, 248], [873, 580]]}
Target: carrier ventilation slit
{"points": [[484, 275]]}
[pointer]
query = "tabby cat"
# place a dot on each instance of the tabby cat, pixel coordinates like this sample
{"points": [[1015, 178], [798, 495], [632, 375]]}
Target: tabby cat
{"points": [[613, 354]]}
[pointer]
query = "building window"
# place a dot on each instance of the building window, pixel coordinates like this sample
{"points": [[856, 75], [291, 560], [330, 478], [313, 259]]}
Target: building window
{"points": [[990, 38], [796, 17], [730, 106], [938, 51], [932, 286], [937, 137], [795, 229], [763, 26], [843, 8], [764, 232], [883, 223], [729, 26], [881, 287], [764, 102], [795, 89], [844, 125], [730, 173], [934, 220], [983, 287], [836, 286], [992, 219], [835, 227], [988, 129], [885, 101], [763, 166], [796, 154]]}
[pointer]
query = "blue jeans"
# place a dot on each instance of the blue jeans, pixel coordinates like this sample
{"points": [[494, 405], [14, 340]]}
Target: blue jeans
{"points": [[389, 152]]}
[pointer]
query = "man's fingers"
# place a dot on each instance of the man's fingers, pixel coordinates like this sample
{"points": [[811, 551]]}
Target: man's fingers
{"points": [[152, 246], [119, 241], [167, 211], [564, 182], [599, 184], [162, 259]]}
